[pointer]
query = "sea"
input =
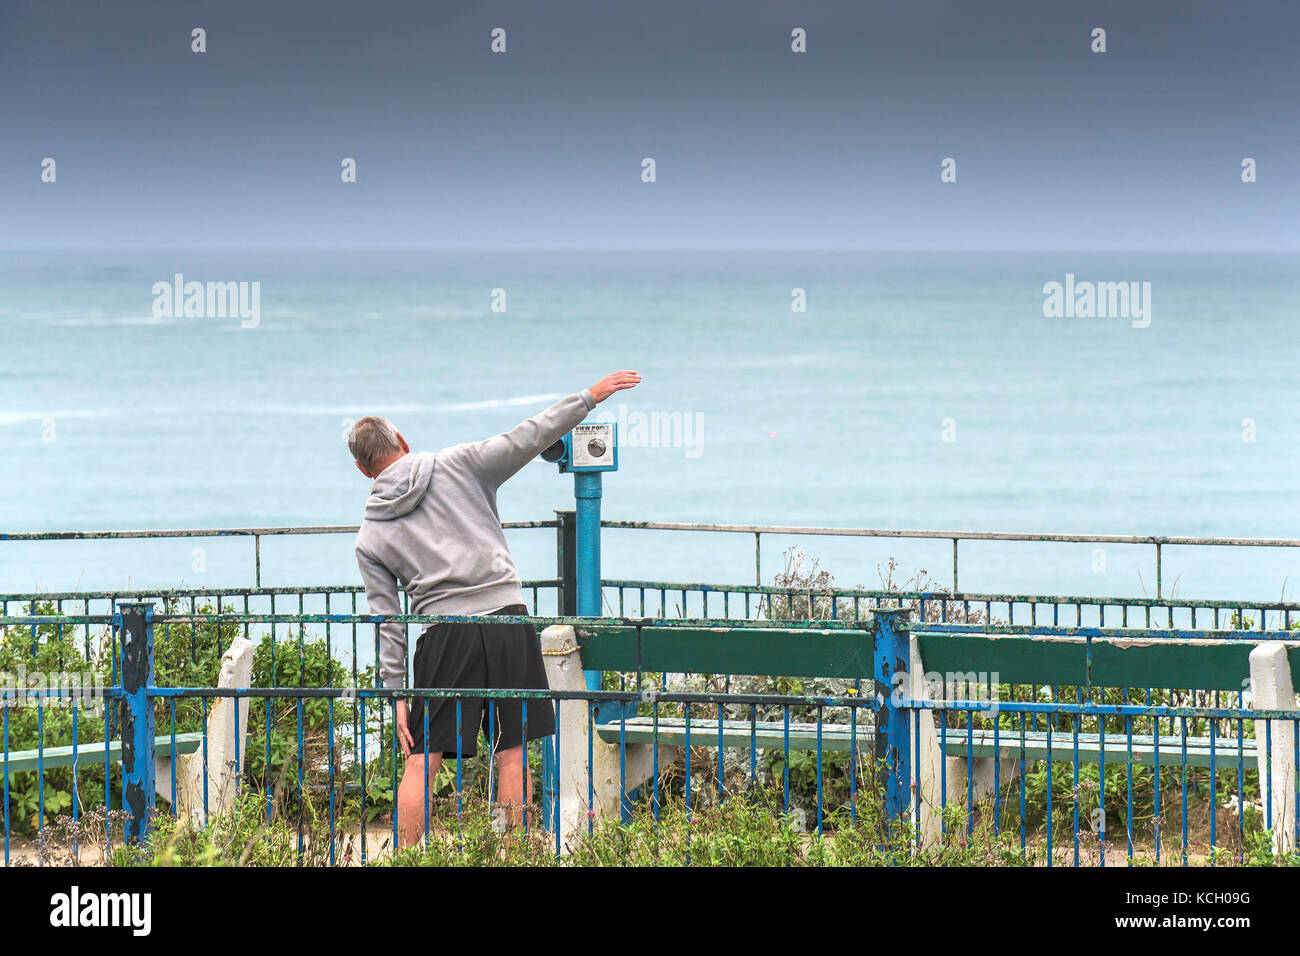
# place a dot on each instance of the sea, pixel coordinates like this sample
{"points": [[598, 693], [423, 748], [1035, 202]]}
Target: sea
{"points": [[848, 389]]}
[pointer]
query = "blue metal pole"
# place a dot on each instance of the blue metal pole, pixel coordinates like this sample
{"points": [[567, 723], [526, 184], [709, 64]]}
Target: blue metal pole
{"points": [[893, 753], [137, 717], [587, 493]]}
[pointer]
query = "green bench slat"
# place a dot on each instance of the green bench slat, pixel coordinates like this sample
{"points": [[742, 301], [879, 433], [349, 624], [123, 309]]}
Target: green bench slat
{"points": [[1035, 748], [1116, 662], [1137, 661], [769, 735], [793, 652], [766, 734], [93, 753]]}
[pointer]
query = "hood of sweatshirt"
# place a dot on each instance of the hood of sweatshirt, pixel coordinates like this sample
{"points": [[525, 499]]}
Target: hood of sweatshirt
{"points": [[400, 487]]}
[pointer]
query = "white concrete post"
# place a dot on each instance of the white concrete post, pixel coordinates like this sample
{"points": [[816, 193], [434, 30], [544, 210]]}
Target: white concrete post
{"points": [[223, 768], [1273, 689], [930, 772], [928, 768], [564, 672]]}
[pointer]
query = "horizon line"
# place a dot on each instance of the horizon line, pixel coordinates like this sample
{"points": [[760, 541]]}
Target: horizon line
{"points": [[1008, 250]]}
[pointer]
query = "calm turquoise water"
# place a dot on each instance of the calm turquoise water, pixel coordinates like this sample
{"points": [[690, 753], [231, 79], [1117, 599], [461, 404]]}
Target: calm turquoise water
{"points": [[830, 417]]}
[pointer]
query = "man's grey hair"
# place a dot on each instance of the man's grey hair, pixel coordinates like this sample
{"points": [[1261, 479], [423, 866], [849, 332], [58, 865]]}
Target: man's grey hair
{"points": [[372, 440]]}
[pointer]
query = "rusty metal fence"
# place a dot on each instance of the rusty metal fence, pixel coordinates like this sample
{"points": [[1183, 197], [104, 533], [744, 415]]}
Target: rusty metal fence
{"points": [[1173, 750]]}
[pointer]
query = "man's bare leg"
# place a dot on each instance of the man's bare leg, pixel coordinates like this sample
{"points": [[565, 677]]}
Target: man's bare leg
{"points": [[510, 786], [410, 797]]}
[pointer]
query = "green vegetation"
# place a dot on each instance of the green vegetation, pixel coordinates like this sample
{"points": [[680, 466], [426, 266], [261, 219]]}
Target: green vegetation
{"points": [[748, 829], [186, 654]]}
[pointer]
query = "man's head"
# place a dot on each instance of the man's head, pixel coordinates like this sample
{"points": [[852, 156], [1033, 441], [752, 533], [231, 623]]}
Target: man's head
{"points": [[375, 444]]}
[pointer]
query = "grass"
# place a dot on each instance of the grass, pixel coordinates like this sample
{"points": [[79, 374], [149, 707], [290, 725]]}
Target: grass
{"points": [[750, 829]]}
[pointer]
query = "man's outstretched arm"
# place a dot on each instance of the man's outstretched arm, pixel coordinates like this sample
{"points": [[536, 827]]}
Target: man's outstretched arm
{"points": [[500, 457]]}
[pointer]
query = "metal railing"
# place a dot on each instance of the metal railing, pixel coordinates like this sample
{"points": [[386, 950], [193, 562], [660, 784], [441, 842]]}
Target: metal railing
{"points": [[358, 720], [257, 534], [1157, 542], [669, 598], [665, 599], [333, 744], [194, 624]]}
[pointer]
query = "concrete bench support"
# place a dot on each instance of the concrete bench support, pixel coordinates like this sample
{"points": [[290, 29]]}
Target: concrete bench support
{"points": [[223, 769], [564, 672], [931, 773], [1273, 689]]}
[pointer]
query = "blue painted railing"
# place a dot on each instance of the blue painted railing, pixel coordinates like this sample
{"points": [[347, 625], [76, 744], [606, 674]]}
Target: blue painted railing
{"points": [[889, 770]]}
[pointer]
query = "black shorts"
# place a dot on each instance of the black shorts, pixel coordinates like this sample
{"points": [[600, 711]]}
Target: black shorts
{"points": [[507, 656]]}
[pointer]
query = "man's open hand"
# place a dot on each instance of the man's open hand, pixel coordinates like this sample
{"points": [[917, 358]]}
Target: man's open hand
{"points": [[614, 382]]}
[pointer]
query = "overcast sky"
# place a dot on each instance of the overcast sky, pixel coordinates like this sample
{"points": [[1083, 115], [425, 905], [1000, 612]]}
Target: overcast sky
{"points": [[756, 146]]}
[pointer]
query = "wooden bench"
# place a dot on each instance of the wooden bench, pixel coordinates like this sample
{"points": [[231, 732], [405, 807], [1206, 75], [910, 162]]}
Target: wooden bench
{"points": [[1039, 659], [766, 652], [1140, 750], [623, 749], [1036, 660], [1227, 662], [88, 755], [205, 783], [1140, 659], [93, 754], [760, 734]]}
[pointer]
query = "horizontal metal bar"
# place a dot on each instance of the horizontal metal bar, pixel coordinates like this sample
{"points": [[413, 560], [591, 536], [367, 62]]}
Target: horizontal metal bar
{"points": [[79, 693], [707, 623], [1086, 709], [218, 532], [1063, 537], [1094, 710], [402, 693], [56, 620], [1122, 633], [974, 597], [959, 535], [258, 591], [710, 624]]}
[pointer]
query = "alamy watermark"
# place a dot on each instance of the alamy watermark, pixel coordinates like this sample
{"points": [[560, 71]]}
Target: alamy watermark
{"points": [[81, 689], [1098, 300], [980, 686], [657, 429], [84, 908], [179, 299]]}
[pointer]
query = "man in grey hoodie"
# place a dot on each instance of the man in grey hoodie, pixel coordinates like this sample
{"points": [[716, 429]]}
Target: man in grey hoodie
{"points": [[432, 528]]}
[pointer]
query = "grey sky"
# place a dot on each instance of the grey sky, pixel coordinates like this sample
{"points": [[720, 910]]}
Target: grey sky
{"points": [[1056, 147]]}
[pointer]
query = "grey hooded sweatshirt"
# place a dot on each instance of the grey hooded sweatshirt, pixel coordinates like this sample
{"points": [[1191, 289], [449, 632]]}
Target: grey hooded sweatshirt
{"points": [[432, 527]]}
